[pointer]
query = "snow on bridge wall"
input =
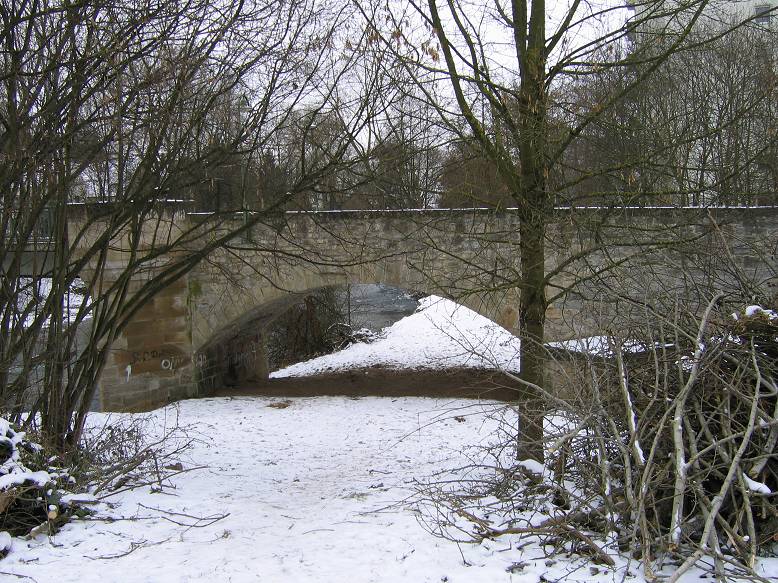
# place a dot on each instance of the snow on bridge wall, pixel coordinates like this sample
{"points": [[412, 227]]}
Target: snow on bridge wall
{"points": [[208, 326]]}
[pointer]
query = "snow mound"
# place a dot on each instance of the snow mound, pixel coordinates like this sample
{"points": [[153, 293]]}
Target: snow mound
{"points": [[441, 334]]}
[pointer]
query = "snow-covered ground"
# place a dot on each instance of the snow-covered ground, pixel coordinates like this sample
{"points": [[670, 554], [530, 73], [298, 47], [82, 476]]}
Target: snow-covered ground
{"points": [[441, 334], [309, 492], [313, 490], [316, 489]]}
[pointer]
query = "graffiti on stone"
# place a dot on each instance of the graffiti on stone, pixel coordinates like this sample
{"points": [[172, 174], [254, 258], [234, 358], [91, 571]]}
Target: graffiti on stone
{"points": [[200, 360], [166, 359], [171, 363], [144, 356], [244, 357]]}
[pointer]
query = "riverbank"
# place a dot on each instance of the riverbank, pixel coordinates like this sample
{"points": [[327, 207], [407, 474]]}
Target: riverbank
{"points": [[468, 383]]}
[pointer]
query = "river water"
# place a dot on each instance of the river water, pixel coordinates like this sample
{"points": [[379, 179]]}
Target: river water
{"points": [[376, 306]]}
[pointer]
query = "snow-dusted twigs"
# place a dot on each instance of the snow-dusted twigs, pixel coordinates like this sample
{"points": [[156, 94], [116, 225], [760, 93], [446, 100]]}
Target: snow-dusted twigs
{"points": [[679, 453], [123, 457], [666, 450], [733, 471], [559, 527], [19, 576], [194, 521], [134, 546], [188, 521], [630, 414]]}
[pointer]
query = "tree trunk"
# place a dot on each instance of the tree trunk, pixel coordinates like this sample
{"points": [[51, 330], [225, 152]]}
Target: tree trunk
{"points": [[533, 204], [532, 318]]}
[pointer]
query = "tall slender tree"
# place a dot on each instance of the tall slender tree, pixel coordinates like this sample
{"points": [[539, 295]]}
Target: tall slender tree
{"points": [[498, 74]]}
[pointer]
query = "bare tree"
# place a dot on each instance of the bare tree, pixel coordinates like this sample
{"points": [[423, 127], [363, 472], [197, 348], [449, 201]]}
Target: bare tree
{"points": [[497, 76], [120, 112], [701, 133]]}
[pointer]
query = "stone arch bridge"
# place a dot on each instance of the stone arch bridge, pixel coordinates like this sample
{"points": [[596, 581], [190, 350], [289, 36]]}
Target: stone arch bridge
{"points": [[212, 320]]}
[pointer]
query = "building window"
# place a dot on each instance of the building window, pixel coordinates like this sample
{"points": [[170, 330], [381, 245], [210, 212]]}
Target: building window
{"points": [[762, 14]]}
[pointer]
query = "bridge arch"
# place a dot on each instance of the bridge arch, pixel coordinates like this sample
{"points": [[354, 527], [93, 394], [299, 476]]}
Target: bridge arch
{"points": [[220, 307], [230, 345], [162, 355]]}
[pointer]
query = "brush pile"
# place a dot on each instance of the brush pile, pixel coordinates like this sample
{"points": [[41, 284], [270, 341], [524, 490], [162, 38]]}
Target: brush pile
{"points": [[36, 495]]}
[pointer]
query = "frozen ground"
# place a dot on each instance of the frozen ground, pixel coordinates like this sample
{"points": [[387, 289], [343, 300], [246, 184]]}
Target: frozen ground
{"points": [[309, 492], [314, 489], [440, 334]]}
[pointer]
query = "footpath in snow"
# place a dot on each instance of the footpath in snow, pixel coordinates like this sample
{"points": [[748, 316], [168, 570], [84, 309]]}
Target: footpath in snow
{"points": [[309, 490]]}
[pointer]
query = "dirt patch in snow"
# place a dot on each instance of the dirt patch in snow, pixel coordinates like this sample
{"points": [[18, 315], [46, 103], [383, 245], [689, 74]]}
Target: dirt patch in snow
{"points": [[378, 381]]}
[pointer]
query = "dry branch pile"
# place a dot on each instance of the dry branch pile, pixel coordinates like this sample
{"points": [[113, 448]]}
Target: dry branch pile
{"points": [[35, 493], [668, 453], [41, 491]]}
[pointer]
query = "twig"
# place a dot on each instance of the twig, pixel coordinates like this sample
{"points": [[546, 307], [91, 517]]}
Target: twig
{"points": [[554, 526], [207, 520], [18, 576], [149, 483], [133, 547]]}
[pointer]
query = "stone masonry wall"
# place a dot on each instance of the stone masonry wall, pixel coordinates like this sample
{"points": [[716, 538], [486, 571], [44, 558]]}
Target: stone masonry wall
{"points": [[207, 327]]}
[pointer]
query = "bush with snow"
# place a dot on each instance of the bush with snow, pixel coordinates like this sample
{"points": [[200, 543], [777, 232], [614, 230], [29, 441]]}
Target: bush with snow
{"points": [[34, 492], [41, 490]]}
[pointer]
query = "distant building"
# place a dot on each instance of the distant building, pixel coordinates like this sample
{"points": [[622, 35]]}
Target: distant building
{"points": [[762, 12], [756, 13]]}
